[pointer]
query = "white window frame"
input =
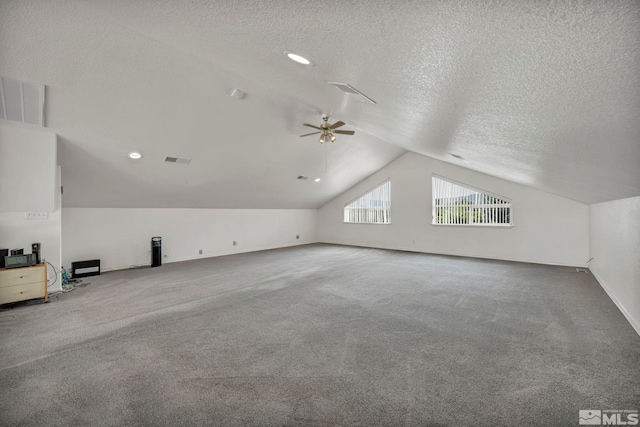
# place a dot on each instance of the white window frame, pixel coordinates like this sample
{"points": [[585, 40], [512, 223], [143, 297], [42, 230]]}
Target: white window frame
{"points": [[387, 216], [486, 208]]}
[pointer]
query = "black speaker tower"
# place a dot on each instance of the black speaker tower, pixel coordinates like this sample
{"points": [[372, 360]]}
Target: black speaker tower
{"points": [[156, 251], [35, 249]]}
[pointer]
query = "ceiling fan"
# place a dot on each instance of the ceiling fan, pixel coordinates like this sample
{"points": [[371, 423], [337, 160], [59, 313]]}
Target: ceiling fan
{"points": [[327, 131]]}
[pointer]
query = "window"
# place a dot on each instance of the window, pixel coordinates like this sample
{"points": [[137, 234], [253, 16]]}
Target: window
{"points": [[454, 204], [370, 208]]}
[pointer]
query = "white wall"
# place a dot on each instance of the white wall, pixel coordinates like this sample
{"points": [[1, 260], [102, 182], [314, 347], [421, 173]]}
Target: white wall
{"points": [[120, 238], [18, 233], [29, 181], [28, 162], [548, 229], [614, 229]]}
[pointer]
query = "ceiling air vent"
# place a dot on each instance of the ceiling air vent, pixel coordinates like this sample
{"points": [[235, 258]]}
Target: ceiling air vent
{"points": [[21, 101], [351, 91], [177, 160]]}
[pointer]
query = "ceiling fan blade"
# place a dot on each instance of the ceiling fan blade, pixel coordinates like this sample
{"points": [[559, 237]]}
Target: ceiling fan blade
{"points": [[336, 125], [345, 132], [312, 133], [312, 126]]}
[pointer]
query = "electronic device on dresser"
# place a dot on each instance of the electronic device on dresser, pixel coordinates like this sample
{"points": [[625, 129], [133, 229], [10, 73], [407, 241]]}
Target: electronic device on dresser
{"points": [[15, 261], [35, 249], [3, 253], [17, 251]]}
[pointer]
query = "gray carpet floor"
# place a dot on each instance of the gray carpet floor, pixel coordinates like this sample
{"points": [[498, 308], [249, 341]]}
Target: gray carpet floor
{"points": [[320, 335]]}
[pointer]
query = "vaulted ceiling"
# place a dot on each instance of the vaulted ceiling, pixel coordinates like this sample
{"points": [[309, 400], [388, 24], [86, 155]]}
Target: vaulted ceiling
{"points": [[546, 94]]}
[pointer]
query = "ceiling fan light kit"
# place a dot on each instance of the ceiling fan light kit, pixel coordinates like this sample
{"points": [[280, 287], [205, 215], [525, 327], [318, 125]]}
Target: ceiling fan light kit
{"points": [[327, 131]]}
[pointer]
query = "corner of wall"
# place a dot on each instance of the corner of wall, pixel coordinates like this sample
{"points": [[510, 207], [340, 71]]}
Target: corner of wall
{"points": [[614, 247], [635, 324]]}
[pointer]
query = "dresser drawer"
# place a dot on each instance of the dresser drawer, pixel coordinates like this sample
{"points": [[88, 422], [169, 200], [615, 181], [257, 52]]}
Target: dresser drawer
{"points": [[22, 276], [21, 292]]}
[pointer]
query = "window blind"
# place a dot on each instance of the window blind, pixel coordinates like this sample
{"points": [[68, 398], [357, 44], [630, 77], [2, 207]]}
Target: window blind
{"points": [[372, 207], [454, 204]]}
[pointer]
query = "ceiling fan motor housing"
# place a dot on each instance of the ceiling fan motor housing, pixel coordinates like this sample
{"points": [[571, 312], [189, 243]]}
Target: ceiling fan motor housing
{"points": [[327, 131]]}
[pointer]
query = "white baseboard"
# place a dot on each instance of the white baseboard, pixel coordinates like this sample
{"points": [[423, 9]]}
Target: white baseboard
{"points": [[525, 260], [463, 255], [208, 255], [634, 323]]}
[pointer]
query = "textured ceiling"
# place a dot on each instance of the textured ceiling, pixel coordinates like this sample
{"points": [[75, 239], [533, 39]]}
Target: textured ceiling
{"points": [[545, 94]]}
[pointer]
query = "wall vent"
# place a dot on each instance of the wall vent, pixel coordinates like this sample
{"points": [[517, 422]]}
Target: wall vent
{"points": [[21, 101], [581, 270], [177, 160], [302, 177]]}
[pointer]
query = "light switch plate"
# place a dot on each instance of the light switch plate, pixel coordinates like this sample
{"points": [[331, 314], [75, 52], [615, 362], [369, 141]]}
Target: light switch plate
{"points": [[36, 215]]}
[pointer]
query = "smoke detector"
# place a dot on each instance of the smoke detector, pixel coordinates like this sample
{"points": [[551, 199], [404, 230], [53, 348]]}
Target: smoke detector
{"points": [[236, 94]]}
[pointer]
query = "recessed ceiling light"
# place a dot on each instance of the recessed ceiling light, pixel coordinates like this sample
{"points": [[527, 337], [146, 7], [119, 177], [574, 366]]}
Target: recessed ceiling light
{"points": [[317, 179], [135, 155], [299, 59]]}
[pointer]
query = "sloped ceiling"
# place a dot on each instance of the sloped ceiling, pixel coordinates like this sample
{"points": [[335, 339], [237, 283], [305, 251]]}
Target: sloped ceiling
{"points": [[545, 94]]}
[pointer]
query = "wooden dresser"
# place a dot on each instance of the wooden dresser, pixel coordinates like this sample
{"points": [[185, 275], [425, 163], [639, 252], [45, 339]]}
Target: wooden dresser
{"points": [[18, 284]]}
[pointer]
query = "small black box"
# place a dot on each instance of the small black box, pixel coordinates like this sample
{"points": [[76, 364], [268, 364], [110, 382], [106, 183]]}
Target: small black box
{"points": [[85, 268], [3, 253]]}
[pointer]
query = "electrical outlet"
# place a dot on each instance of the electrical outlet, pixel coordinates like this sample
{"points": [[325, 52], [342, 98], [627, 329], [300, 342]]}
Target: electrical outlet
{"points": [[200, 251], [36, 215], [234, 243]]}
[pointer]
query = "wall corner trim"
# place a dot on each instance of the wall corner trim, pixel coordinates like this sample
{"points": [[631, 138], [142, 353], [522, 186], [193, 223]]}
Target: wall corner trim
{"points": [[635, 323]]}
